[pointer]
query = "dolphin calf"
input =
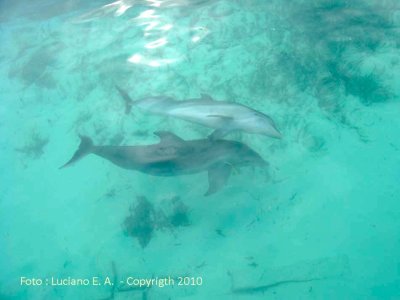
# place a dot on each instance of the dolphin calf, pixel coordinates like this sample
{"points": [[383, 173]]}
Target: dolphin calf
{"points": [[223, 116], [174, 156]]}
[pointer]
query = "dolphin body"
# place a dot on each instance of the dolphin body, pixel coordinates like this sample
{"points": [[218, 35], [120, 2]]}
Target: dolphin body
{"points": [[173, 156], [223, 116]]}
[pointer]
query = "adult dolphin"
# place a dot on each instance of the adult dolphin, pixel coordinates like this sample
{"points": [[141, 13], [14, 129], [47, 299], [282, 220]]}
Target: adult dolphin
{"points": [[223, 116], [174, 156]]}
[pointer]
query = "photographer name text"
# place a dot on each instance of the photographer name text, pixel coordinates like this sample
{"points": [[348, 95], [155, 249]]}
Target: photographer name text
{"points": [[108, 281]]}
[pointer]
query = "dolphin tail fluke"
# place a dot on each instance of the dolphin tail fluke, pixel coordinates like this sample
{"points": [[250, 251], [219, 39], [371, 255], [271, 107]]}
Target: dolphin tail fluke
{"points": [[85, 147], [127, 99], [217, 177]]}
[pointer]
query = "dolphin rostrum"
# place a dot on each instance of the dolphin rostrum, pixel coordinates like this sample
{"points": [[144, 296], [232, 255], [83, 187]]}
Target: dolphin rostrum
{"points": [[223, 116], [174, 156]]}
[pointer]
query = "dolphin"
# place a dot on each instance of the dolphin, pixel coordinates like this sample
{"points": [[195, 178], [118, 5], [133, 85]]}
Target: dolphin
{"points": [[173, 156], [223, 116]]}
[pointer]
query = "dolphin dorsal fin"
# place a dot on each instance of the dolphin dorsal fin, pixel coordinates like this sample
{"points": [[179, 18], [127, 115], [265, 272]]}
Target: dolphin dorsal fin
{"points": [[206, 97], [168, 137], [219, 133]]}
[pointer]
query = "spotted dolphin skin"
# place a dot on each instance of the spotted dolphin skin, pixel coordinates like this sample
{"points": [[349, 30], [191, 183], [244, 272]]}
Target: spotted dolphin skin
{"points": [[173, 156], [223, 116]]}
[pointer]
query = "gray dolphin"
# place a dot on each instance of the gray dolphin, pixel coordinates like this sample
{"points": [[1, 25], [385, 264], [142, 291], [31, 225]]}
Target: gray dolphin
{"points": [[174, 156], [223, 116]]}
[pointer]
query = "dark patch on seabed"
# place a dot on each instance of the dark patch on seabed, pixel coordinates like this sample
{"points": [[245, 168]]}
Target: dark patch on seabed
{"points": [[144, 219], [141, 221], [34, 148], [39, 66], [329, 42]]}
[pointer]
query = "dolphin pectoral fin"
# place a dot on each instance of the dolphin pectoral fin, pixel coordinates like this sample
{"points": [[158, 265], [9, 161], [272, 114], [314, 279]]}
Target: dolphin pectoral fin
{"points": [[218, 175], [127, 99], [219, 133], [85, 147], [206, 97], [168, 137]]}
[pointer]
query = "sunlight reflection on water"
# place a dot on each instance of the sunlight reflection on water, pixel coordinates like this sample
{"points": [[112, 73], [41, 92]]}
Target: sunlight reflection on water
{"points": [[158, 25]]}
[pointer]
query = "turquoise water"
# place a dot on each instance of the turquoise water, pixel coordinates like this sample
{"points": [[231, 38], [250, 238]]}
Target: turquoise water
{"points": [[321, 222]]}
